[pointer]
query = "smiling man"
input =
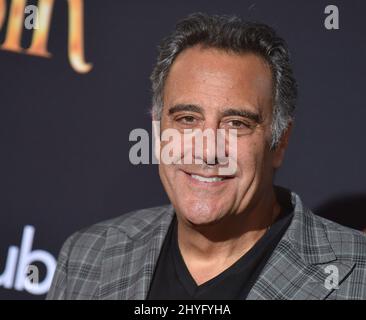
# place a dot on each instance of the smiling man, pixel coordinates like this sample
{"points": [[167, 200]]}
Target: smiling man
{"points": [[224, 236]]}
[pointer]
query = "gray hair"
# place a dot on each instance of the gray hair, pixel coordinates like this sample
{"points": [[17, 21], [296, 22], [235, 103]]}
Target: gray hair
{"points": [[232, 34]]}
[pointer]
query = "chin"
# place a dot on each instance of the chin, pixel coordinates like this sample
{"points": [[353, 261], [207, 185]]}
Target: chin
{"points": [[201, 213]]}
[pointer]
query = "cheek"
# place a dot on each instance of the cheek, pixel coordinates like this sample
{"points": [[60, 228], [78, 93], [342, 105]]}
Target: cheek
{"points": [[252, 160], [165, 176], [171, 177], [166, 172], [248, 157]]}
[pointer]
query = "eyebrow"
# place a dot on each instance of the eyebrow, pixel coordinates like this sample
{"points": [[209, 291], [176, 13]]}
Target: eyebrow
{"points": [[185, 107], [256, 117]]}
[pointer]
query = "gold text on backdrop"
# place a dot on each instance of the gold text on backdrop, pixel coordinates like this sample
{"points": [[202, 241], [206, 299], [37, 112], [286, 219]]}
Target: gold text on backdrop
{"points": [[39, 41]]}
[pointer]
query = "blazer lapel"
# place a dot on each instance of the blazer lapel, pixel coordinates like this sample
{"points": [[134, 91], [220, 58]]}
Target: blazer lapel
{"points": [[303, 265], [130, 257], [300, 267], [288, 277]]}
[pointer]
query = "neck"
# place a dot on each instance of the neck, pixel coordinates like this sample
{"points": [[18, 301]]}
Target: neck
{"points": [[228, 239]]}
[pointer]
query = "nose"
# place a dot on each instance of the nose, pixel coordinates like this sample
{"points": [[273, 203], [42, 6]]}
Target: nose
{"points": [[209, 144]]}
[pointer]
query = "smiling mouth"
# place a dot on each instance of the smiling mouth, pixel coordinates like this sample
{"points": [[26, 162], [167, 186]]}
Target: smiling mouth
{"points": [[207, 180]]}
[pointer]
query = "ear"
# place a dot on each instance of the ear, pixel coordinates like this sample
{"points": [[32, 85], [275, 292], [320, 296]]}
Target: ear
{"points": [[279, 152]]}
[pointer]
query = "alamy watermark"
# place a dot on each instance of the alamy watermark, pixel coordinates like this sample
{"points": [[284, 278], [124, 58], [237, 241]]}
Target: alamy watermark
{"points": [[188, 146], [331, 21], [32, 20], [331, 282], [31, 279]]}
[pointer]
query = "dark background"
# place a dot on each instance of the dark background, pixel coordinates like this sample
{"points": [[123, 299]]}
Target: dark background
{"points": [[64, 136]]}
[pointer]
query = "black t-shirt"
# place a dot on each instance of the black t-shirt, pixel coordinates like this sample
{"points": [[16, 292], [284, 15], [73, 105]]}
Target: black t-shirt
{"points": [[172, 279]]}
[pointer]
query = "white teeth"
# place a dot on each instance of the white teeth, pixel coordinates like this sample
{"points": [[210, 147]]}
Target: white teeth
{"points": [[204, 179]]}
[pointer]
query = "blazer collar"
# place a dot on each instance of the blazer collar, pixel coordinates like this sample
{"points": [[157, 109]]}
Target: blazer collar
{"points": [[130, 256], [302, 262], [295, 270]]}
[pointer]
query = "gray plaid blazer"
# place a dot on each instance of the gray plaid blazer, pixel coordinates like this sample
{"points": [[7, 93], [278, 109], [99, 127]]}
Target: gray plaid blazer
{"points": [[115, 259]]}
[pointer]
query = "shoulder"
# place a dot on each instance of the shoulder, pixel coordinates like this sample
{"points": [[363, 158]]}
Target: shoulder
{"points": [[317, 235], [84, 253], [347, 243], [130, 224], [349, 247]]}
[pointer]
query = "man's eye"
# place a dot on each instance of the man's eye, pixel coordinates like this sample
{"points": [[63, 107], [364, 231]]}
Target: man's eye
{"points": [[186, 119], [237, 124]]}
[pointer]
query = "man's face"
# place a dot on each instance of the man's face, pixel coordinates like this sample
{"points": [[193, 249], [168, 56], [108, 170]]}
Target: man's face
{"points": [[214, 89]]}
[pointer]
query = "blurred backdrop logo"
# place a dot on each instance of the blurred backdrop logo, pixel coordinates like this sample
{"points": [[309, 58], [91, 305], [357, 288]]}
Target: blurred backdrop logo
{"points": [[20, 273], [40, 18]]}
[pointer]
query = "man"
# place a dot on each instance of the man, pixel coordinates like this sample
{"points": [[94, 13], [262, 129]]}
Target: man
{"points": [[224, 236]]}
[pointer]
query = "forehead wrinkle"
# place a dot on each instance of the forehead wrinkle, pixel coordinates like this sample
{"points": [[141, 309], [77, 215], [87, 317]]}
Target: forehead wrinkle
{"points": [[217, 84]]}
